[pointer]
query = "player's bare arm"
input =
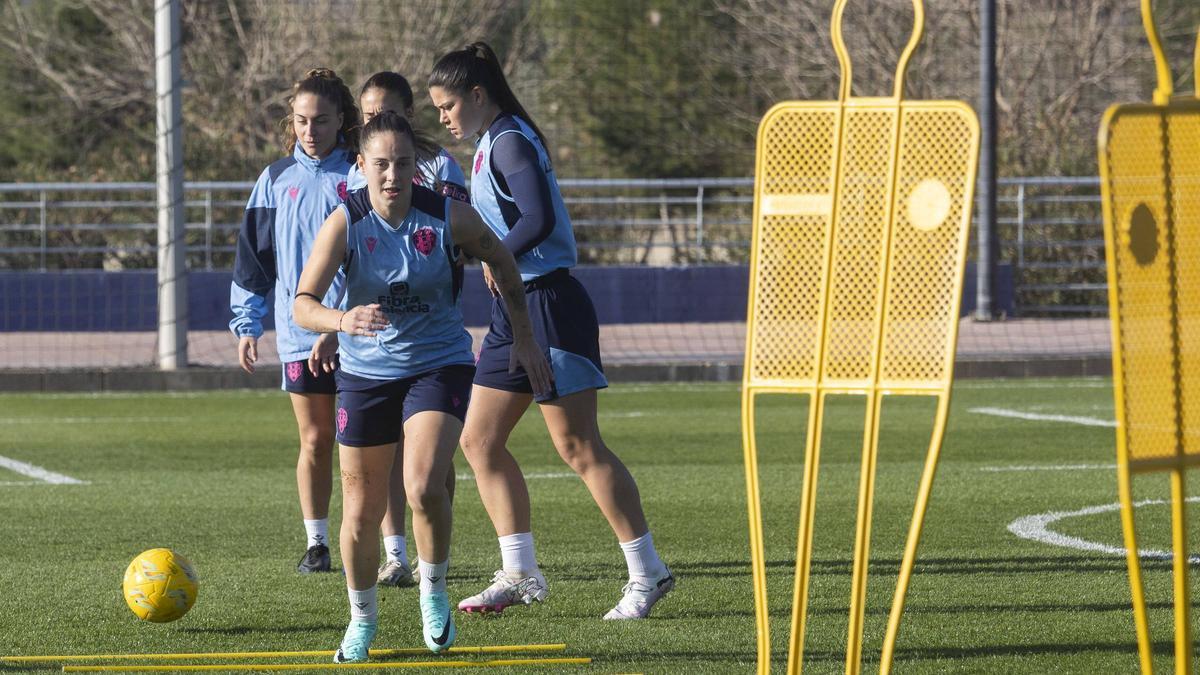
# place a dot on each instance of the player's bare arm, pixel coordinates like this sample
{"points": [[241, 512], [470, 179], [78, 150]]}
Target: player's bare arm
{"points": [[329, 250]]}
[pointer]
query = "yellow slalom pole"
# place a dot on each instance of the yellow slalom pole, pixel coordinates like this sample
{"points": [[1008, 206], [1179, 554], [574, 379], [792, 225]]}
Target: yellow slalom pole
{"points": [[804, 540], [445, 663], [1183, 633], [404, 651], [1137, 589], [862, 538], [1162, 67], [758, 567], [914, 533]]}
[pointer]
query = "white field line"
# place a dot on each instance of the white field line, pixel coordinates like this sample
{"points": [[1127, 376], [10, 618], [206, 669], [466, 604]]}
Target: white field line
{"points": [[563, 474], [1049, 467], [1039, 417], [38, 472], [670, 387], [88, 420], [1037, 528], [253, 393], [1089, 383]]}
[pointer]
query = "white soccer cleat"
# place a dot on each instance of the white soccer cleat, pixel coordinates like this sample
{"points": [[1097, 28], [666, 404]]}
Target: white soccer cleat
{"points": [[508, 590], [396, 573], [639, 599]]}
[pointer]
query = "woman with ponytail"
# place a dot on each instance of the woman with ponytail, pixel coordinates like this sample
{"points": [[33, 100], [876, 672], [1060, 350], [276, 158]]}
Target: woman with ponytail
{"points": [[406, 363], [287, 206], [514, 189], [388, 91]]}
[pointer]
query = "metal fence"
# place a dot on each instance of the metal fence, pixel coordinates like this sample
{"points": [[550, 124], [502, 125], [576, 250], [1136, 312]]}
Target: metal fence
{"points": [[1050, 229]]}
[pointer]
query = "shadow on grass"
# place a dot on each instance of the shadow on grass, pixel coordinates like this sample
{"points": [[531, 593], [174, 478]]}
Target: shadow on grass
{"points": [[26, 667], [880, 566], [244, 630], [779, 656]]}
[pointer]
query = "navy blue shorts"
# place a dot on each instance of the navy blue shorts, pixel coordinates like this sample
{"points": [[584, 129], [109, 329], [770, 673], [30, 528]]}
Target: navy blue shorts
{"points": [[565, 326], [373, 412], [298, 379]]}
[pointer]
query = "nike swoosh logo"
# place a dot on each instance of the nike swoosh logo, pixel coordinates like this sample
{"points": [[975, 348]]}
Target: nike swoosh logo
{"points": [[441, 639]]}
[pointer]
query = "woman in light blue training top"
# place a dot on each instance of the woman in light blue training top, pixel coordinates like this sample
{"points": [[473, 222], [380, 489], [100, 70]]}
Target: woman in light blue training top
{"points": [[291, 199], [437, 170], [514, 189], [406, 362]]}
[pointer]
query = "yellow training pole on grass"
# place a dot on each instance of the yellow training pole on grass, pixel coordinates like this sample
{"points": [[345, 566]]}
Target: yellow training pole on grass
{"points": [[861, 212], [443, 663], [1150, 183]]}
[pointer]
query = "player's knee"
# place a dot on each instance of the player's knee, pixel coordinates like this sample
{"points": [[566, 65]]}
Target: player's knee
{"points": [[361, 524], [316, 442], [578, 452], [424, 493], [476, 445]]}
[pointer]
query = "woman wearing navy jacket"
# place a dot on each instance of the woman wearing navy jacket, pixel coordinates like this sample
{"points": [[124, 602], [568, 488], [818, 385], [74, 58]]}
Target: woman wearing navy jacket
{"points": [[289, 202], [514, 190], [406, 363]]}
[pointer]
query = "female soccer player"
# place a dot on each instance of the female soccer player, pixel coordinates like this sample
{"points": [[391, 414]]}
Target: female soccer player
{"points": [[290, 200], [387, 91], [514, 189], [436, 168], [406, 362]]}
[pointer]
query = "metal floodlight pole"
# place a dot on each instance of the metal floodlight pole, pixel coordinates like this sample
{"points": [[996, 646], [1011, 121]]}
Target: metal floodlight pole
{"points": [[172, 249], [989, 241]]}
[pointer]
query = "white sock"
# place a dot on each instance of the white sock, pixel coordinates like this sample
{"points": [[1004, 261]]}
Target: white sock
{"points": [[643, 561], [363, 606], [516, 552], [433, 576], [396, 547], [318, 532]]}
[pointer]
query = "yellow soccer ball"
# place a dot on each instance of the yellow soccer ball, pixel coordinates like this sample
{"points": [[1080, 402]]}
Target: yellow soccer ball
{"points": [[160, 585]]}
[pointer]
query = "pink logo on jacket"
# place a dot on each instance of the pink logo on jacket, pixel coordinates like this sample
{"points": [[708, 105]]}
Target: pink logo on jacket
{"points": [[423, 239], [341, 190], [293, 192]]}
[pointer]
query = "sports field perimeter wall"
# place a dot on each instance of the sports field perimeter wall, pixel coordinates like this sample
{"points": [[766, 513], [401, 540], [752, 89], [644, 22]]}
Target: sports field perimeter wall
{"points": [[90, 300]]}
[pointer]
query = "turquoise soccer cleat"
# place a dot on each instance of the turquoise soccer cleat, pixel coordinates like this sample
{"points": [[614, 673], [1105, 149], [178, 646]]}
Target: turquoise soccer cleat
{"points": [[356, 642], [437, 622]]}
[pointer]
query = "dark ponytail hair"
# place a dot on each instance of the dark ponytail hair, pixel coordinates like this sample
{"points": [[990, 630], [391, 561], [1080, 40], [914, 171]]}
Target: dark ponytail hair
{"points": [[476, 65], [325, 83], [395, 83], [389, 121]]}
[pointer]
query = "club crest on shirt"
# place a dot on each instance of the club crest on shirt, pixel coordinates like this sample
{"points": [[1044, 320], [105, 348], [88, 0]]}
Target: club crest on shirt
{"points": [[293, 192], [423, 240], [371, 241], [294, 370]]}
